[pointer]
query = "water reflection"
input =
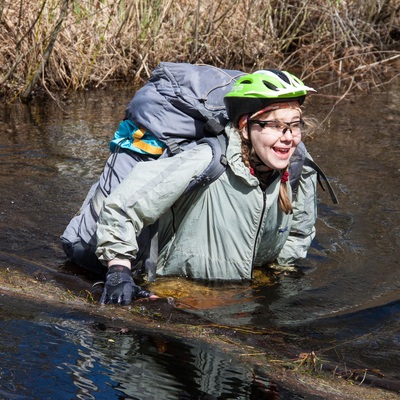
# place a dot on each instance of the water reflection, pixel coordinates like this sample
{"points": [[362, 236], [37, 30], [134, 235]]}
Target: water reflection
{"points": [[45, 355]]}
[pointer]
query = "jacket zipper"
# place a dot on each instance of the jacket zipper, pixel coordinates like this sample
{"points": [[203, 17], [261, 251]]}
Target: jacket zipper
{"points": [[258, 231]]}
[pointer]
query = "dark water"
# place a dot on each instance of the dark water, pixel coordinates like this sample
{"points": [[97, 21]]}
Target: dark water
{"points": [[344, 302], [50, 355]]}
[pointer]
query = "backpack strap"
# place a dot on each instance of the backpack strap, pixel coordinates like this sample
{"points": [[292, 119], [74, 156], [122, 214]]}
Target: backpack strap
{"points": [[174, 146], [215, 137], [320, 174], [217, 165], [297, 161]]}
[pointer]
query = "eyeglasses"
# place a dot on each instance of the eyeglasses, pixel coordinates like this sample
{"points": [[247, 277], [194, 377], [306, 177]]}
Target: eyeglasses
{"points": [[278, 127]]}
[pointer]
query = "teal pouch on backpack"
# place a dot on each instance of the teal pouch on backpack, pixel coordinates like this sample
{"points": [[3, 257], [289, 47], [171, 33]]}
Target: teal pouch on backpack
{"points": [[129, 136]]}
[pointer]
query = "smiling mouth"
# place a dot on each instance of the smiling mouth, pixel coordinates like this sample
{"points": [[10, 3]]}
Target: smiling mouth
{"points": [[281, 151]]}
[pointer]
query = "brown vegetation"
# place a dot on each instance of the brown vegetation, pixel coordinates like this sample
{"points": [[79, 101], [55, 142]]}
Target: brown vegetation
{"points": [[77, 44]]}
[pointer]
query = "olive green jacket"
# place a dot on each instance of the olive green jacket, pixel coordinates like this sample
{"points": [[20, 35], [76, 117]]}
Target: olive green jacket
{"points": [[221, 231]]}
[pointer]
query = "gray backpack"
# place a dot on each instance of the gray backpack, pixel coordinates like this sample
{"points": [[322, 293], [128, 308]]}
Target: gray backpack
{"points": [[181, 105]]}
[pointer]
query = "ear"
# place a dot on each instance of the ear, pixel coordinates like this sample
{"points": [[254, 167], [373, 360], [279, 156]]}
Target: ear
{"points": [[245, 132]]}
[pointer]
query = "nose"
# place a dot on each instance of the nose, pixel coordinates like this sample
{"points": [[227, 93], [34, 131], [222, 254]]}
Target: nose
{"points": [[287, 133]]}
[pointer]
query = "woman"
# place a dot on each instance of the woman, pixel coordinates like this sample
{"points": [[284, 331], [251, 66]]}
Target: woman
{"points": [[245, 219]]}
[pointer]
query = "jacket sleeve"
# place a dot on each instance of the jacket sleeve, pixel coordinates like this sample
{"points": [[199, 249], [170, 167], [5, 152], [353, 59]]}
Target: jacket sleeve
{"points": [[145, 194], [302, 231]]}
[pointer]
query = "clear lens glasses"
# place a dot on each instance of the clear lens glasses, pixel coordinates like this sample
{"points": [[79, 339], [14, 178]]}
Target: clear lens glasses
{"points": [[279, 128]]}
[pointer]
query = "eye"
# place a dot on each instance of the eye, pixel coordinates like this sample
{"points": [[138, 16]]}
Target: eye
{"points": [[262, 123], [297, 124], [273, 124], [267, 124]]}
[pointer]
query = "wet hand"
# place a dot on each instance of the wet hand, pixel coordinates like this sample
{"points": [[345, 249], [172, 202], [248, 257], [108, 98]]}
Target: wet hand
{"points": [[120, 288]]}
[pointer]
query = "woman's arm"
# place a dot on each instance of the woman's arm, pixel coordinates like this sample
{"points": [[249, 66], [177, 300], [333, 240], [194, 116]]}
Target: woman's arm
{"points": [[145, 194]]}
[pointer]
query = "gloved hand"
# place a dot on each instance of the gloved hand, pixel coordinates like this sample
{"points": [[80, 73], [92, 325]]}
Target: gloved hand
{"points": [[120, 287]]}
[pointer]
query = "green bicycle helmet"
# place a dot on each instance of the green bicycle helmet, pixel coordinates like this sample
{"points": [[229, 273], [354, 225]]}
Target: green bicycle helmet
{"points": [[255, 91]]}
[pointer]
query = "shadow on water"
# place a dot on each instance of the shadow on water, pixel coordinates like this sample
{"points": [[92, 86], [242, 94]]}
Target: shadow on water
{"points": [[343, 303]]}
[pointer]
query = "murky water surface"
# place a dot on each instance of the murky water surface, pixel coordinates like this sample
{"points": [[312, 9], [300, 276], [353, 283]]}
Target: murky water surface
{"points": [[48, 355], [344, 302]]}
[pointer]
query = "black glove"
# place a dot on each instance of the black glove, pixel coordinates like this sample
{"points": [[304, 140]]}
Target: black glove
{"points": [[120, 287]]}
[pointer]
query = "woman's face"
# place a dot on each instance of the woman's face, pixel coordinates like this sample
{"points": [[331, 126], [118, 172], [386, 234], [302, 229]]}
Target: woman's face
{"points": [[275, 141]]}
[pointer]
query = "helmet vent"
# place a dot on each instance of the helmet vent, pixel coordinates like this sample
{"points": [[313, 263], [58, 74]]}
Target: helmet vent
{"points": [[281, 75], [270, 86]]}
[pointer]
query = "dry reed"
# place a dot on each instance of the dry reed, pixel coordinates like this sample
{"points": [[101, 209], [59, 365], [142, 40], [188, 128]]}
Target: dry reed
{"points": [[76, 44]]}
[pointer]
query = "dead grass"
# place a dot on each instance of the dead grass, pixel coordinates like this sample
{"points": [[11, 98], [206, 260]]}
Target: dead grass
{"points": [[75, 44]]}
